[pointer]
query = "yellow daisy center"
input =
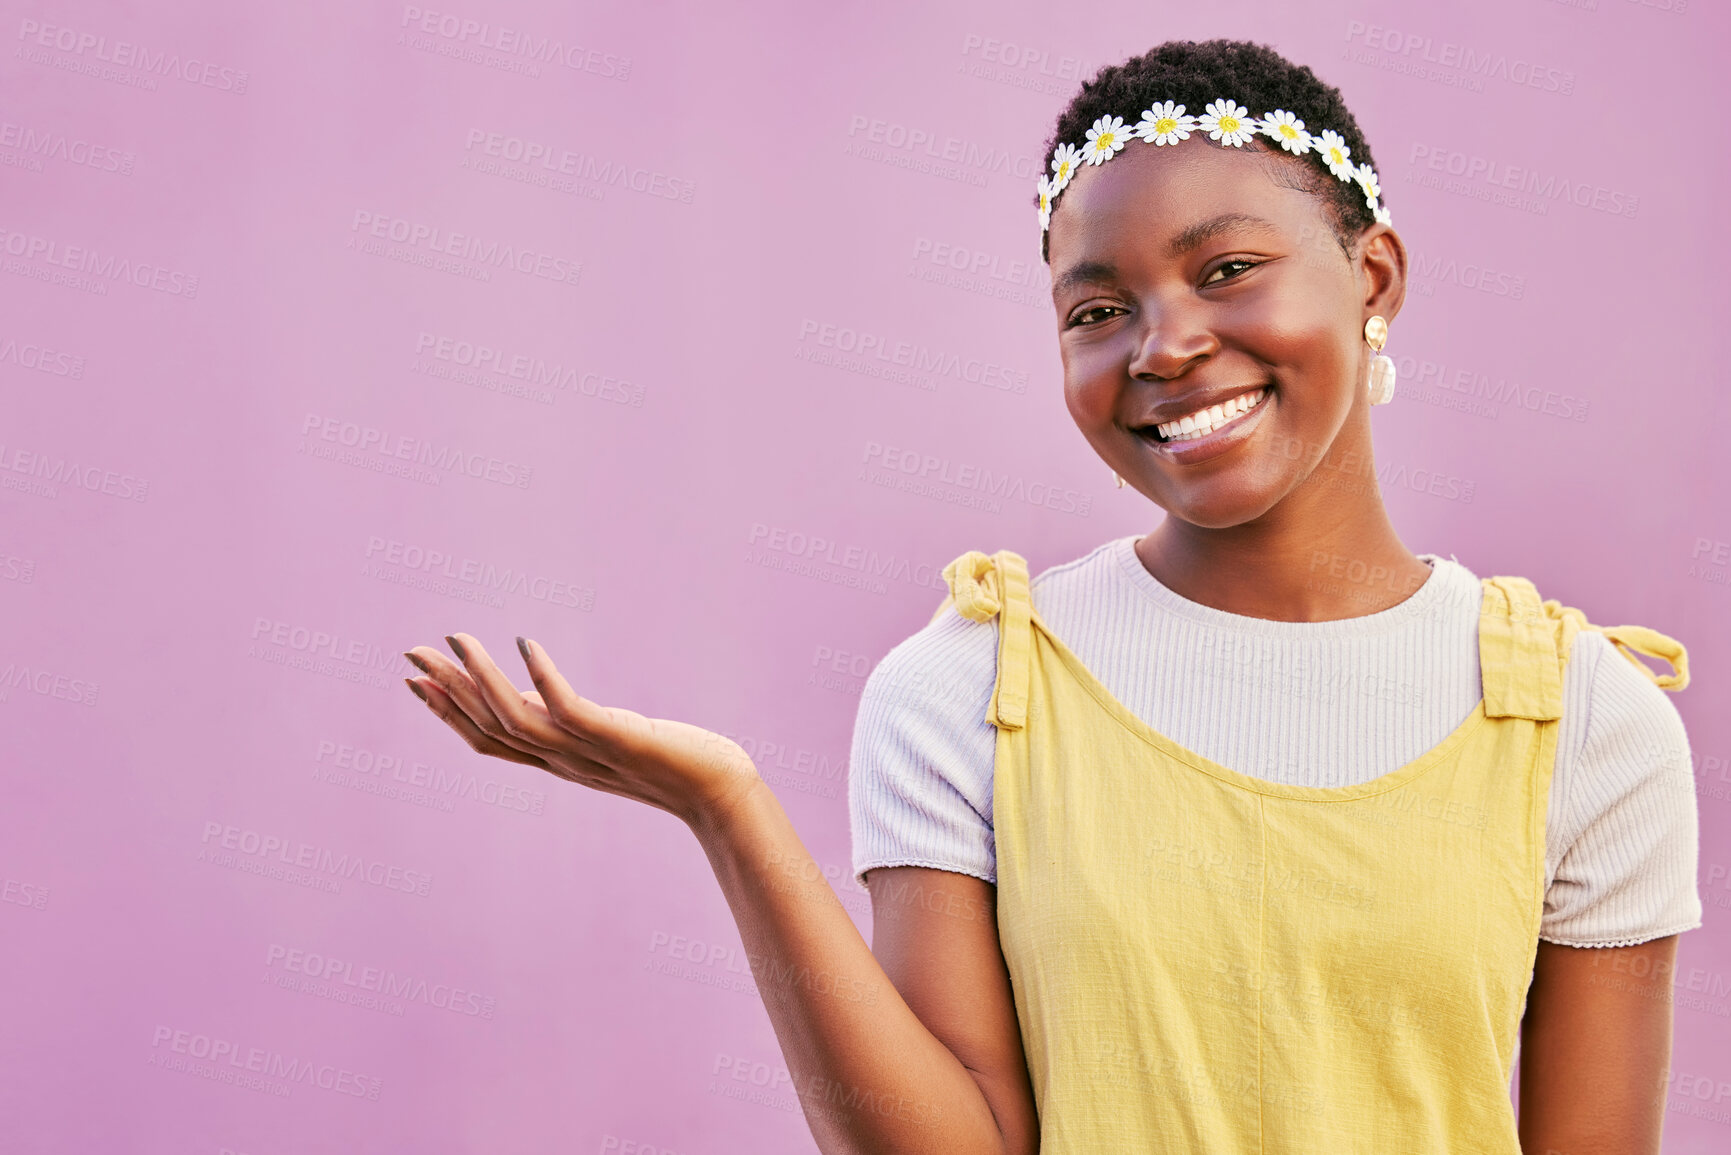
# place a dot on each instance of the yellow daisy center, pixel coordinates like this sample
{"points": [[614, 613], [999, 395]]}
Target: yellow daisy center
{"points": [[1288, 132], [1063, 169], [1164, 125], [1229, 124], [1334, 155], [1104, 140]]}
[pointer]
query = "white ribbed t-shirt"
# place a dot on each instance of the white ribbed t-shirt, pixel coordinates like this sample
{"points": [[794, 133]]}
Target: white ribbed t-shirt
{"points": [[1307, 703]]}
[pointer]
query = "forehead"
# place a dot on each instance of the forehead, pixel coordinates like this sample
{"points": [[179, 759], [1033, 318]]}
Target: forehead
{"points": [[1155, 191]]}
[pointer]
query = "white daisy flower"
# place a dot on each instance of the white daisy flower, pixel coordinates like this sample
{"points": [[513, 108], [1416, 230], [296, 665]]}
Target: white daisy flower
{"points": [[1165, 124], [1045, 188], [1286, 128], [1335, 153], [1366, 178], [1382, 217], [1106, 137], [1227, 122], [1066, 159]]}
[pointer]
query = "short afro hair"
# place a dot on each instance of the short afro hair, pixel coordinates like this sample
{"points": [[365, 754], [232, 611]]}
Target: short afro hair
{"points": [[1194, 73]]}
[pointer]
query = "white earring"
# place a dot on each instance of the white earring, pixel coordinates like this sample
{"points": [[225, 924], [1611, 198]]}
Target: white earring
{"points": [[1382, 371], [1118, 479]]}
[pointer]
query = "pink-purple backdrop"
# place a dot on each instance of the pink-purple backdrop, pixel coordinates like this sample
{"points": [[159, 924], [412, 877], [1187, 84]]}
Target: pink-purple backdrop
{"points": [[653, 332]]}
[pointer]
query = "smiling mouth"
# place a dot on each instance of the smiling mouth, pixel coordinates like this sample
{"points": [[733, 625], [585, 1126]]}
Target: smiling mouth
{"points": [[1193, 426]]}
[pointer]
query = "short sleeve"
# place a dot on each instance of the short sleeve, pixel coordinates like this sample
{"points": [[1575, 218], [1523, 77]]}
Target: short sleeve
{"points": [[920, 767], [1628, 831]]}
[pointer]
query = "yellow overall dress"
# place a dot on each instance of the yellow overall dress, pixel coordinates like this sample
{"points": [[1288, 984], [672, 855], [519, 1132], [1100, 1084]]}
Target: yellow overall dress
{"points": [[1208, 963]]}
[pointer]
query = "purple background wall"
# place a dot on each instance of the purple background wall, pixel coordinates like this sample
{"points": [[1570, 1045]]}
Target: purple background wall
{"points": [[218, 370]]}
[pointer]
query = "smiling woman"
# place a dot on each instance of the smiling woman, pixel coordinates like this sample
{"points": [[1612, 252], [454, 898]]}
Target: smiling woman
{"points": [[1273, 856], [1255, 832]]}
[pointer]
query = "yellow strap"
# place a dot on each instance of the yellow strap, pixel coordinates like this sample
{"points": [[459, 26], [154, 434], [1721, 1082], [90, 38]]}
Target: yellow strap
{"points": [[973, 583], [1632, 640], [1518, 647], [1524, 645], [981, 586]]}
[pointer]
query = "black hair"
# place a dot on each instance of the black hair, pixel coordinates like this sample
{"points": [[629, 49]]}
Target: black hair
{"points": [[1194, 73]]}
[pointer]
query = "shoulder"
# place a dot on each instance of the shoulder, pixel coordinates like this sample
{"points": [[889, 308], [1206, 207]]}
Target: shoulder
{"points": [[945, 670], [1614, 688], [921, 728], [1616, 720], [1599, 670], [1624, 710], [921, 761], [942, 663], [1622, 738]]}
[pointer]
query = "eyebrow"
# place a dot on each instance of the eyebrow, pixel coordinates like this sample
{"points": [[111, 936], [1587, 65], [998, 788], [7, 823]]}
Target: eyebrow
{"points": [[1104, 272], [1204, 231], [1084, 273]]}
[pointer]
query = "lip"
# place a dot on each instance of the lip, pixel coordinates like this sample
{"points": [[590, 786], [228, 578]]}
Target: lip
{"points": [[1179, 407], [1220, 441]]}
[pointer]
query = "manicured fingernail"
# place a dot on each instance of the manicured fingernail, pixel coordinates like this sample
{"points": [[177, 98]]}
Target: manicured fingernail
{"points": [[457, 648], [418, 662], [523, 648], [416, 687]]}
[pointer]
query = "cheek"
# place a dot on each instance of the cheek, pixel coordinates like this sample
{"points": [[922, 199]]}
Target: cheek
{"points": [[1094, 375], [1304, 343], [1301, 326], [1291, 328]]}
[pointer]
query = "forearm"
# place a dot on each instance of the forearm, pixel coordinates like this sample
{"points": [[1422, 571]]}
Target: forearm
{"points": [[869, 1074]]}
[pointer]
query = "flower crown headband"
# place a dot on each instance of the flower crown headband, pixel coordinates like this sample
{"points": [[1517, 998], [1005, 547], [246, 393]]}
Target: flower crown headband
{"points": [[1223, 120]]}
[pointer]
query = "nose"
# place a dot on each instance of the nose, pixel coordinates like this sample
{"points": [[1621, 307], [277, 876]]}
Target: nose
{"points": [[1170, 340]]}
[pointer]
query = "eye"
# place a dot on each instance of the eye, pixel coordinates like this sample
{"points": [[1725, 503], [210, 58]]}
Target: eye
{"points": [[1092, 315], [1238, 265]]}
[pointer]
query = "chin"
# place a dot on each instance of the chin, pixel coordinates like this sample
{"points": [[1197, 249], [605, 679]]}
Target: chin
{"points": [[1223, 507]]}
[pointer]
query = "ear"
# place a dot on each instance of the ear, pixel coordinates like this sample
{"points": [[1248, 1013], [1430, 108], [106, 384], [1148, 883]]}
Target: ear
{"points": [[1382, 270]]}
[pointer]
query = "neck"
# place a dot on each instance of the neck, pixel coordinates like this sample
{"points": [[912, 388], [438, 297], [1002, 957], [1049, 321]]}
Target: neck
{"points": [[1322, 554]]}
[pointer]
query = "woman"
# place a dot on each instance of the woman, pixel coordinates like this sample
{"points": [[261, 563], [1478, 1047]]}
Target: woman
{"points": [[1240, 835]]}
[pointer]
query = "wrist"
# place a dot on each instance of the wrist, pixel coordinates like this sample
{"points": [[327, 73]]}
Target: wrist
{"points": [[725, 818]]}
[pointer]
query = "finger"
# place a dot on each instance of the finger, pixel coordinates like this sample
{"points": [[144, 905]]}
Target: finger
{"points": [[571, 768], [588, 721], [447, 673], [523, 721], [440, 703], [459, 686]]}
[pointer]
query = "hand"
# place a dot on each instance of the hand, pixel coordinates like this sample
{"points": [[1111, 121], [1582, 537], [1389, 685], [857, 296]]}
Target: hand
{"points": [[690, 772]]}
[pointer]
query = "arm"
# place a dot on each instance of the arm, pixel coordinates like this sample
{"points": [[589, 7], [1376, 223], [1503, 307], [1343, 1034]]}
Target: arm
{"points": [[928, 1058], [936, 934], [1596, 1049], [869, 1074]]}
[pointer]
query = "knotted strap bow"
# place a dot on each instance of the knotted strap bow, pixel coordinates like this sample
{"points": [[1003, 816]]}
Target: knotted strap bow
{"points": [[986, 585], [1632, 640]]}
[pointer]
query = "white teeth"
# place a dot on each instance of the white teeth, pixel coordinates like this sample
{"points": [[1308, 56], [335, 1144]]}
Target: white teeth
{"points": [[1205, 421]]}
